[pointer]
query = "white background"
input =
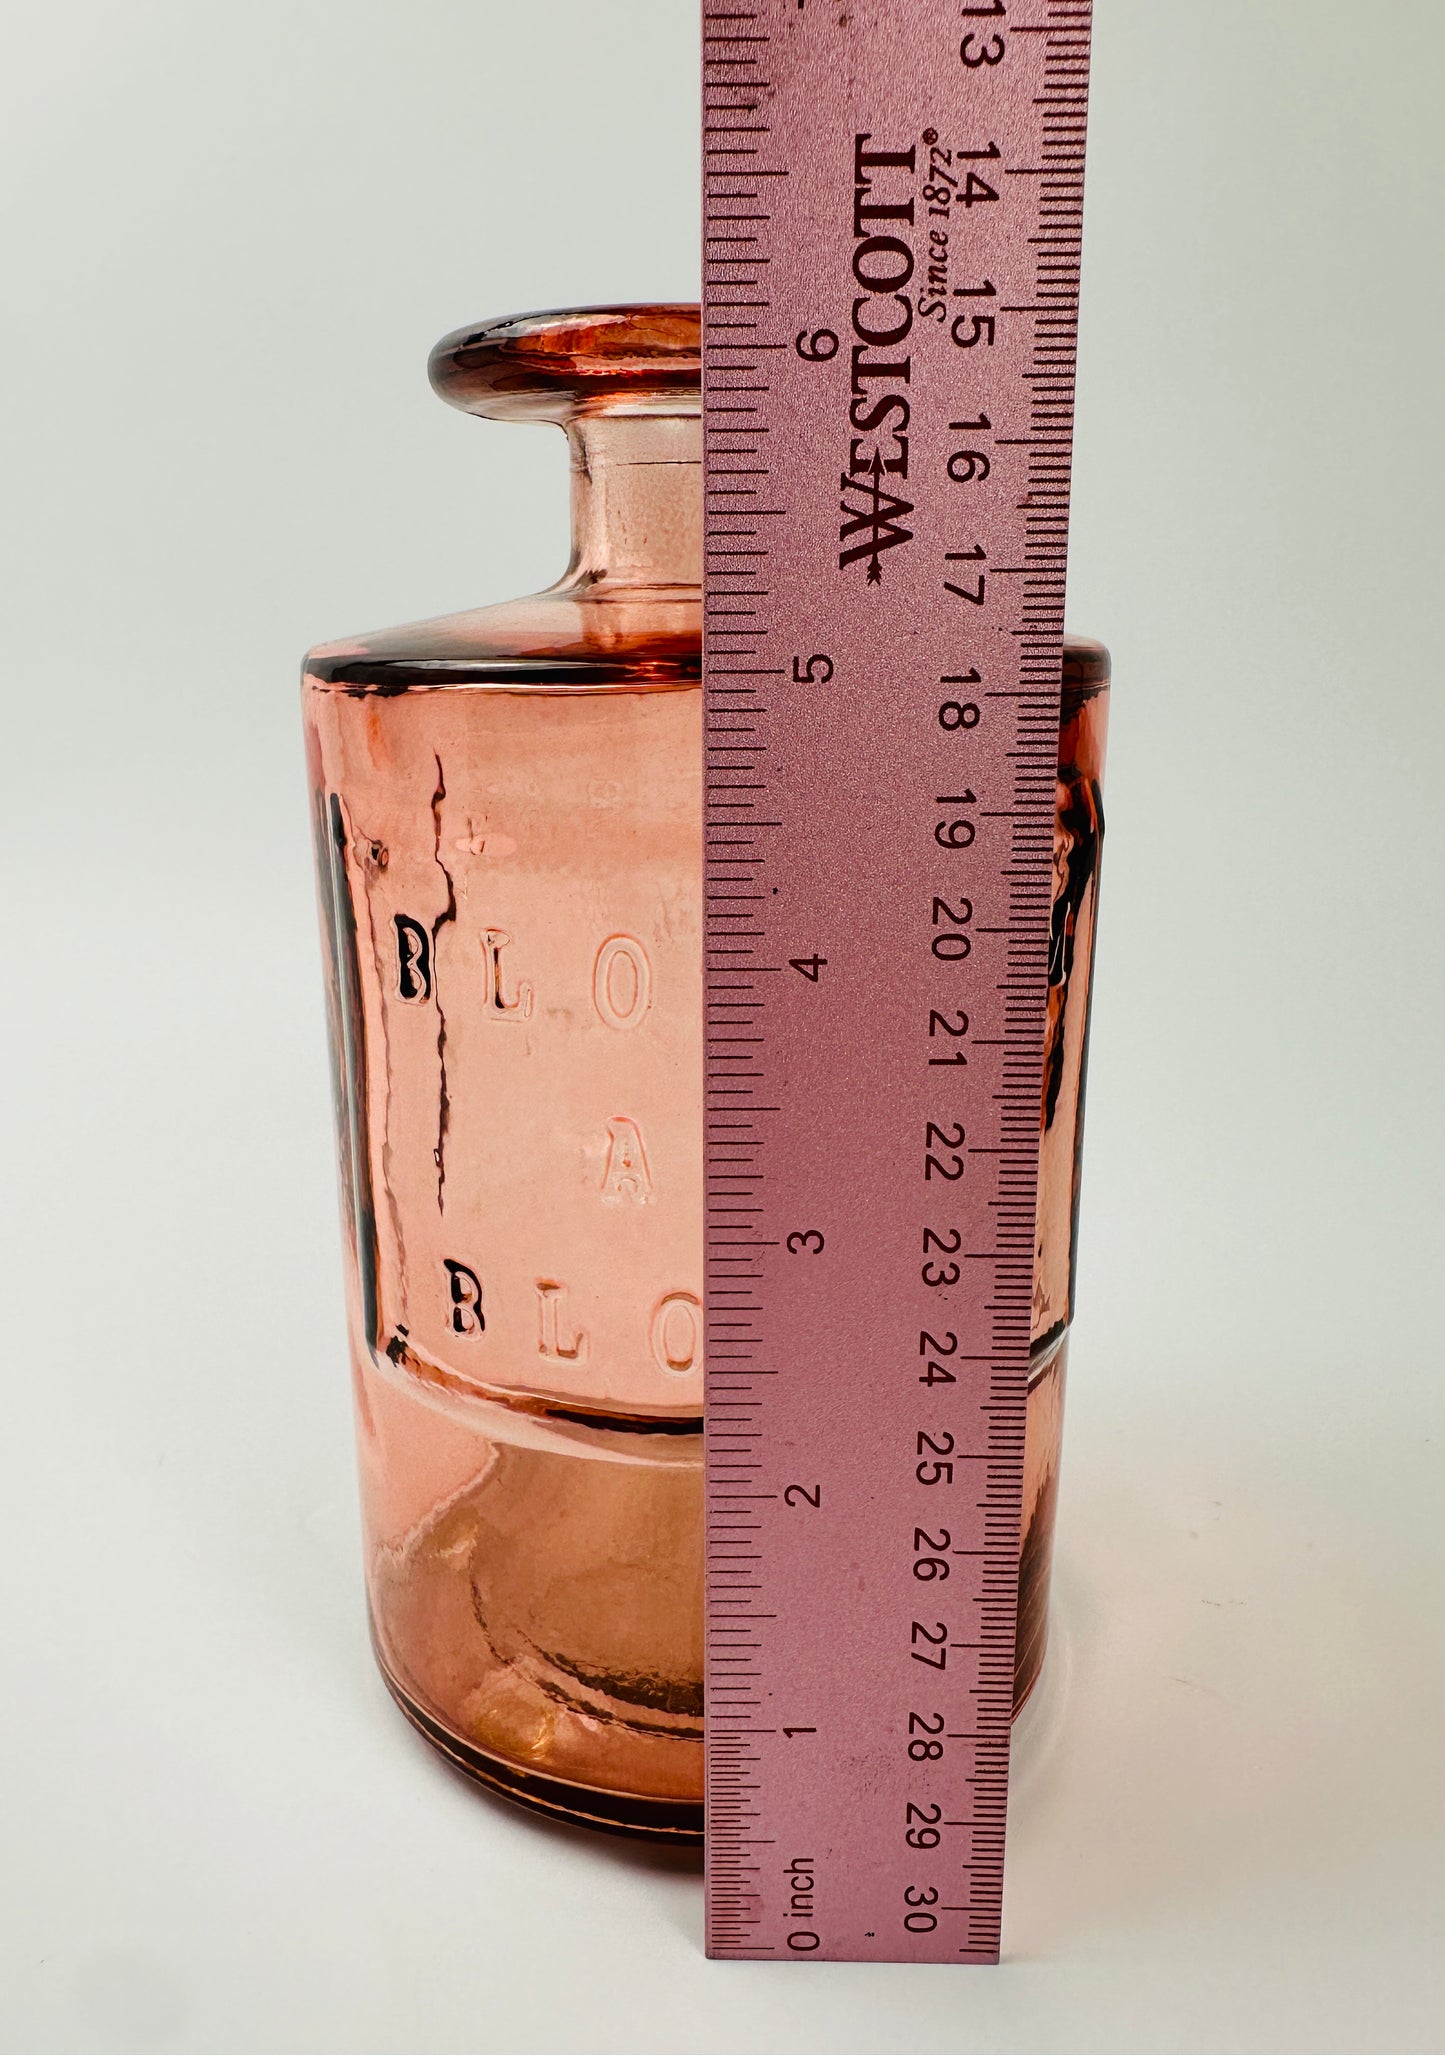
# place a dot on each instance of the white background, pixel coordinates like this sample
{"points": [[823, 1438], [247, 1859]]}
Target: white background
{"points": [[231, 234]]}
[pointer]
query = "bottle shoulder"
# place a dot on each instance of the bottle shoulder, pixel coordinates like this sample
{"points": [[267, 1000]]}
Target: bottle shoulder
{"points": [[578, 637], [573, 638]]}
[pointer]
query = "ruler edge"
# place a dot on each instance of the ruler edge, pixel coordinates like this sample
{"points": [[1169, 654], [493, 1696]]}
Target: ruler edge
{"points": [[1077, 22]]}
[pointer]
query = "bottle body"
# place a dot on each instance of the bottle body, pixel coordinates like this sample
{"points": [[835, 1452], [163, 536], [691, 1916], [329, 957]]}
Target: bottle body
{"points": [[511, 881], [508, 811]]}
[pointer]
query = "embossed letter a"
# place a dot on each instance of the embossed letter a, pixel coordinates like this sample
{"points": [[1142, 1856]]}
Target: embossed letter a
{"points": [[627, 1173]]}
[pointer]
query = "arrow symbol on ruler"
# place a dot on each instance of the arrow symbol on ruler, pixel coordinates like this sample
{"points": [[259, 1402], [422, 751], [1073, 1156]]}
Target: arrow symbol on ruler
{"points": [[878, 518]]}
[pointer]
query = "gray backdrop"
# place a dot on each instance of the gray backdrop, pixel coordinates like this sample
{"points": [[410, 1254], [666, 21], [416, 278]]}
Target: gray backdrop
{"points": [[231, 235]]}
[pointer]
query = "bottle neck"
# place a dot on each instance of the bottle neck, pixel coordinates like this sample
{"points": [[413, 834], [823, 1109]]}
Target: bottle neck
{"points": [[636, 502]]}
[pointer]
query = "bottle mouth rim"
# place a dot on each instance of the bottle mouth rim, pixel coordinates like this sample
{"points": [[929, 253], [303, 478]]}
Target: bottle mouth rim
{"points": [[563, 363]]}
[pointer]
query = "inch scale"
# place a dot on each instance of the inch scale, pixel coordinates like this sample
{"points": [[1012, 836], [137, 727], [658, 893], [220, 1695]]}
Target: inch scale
{"points": [[893, 196]]}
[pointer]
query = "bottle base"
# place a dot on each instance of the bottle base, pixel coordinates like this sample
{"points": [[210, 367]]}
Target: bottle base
{"points": [[677, 1819], [669, 1820], [463, 1622]]}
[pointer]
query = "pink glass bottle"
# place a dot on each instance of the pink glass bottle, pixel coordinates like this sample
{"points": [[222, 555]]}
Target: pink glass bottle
{"points": [[508, 832]]}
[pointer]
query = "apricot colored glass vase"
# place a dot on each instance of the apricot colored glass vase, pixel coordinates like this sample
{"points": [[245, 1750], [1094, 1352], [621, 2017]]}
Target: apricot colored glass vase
{"points": [[508, 813]]}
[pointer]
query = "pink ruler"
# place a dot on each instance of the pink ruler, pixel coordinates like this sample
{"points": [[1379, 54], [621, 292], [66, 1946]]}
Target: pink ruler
{"points": [[893, 194]]}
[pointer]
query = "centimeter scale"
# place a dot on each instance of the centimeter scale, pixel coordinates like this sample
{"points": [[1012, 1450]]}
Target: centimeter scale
{"points": [[893, 195]]}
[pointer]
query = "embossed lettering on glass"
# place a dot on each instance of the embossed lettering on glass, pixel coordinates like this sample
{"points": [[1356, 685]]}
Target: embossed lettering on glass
{"points": [[508, 810]]}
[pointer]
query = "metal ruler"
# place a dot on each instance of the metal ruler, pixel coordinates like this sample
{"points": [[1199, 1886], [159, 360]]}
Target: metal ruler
{"points": [[893, 195]]}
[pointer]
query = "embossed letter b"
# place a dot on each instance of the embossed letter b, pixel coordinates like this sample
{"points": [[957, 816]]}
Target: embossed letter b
{"points": [[413, 958], [465, 1292]]}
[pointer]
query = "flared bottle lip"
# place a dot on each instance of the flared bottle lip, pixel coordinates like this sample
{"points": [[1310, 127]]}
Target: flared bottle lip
{"points": [[564, 363]]}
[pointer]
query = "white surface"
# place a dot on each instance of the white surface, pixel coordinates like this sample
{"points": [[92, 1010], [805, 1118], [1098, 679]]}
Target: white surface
{"points": [[231, 237]]}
